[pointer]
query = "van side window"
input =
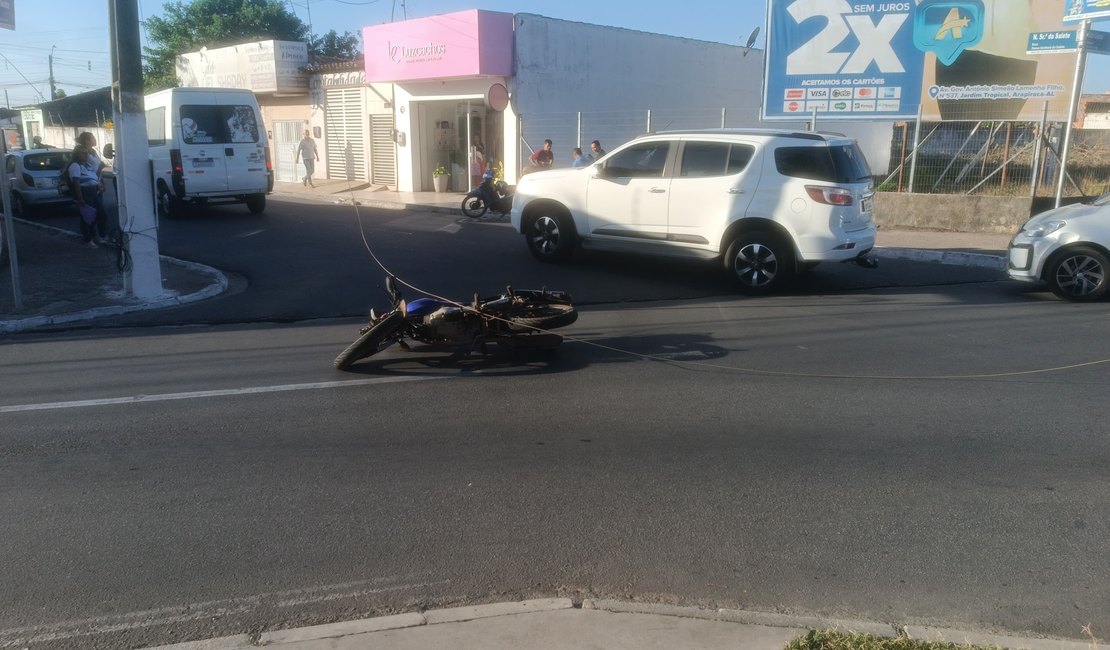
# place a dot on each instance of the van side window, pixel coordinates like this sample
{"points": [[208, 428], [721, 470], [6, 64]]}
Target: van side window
{"points": [[156, 127], [206, 124]]}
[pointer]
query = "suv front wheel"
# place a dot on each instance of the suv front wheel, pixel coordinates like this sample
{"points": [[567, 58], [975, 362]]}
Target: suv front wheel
{"points": [[550, 237], [759, 262]]}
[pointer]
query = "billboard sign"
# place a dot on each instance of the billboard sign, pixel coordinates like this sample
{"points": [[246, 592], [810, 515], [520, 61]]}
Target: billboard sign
{"points": [[1097, 42], [1080, 10], [879, 61], [7, 14]]}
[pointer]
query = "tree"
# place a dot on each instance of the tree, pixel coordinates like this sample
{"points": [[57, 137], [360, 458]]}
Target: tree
{"points": [[186, 27], [334, 46], [59, 93]]}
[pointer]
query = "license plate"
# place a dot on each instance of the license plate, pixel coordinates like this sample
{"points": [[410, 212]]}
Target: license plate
{"points": [[865, 205], [203, 162]]}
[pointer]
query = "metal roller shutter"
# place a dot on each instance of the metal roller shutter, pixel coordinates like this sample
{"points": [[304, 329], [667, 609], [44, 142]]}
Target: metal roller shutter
{"points": [[383, 154], [345, 134]]}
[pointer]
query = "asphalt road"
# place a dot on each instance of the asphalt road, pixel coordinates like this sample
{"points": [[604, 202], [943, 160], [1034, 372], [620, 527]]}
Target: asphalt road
{"points": [[921, 451]]}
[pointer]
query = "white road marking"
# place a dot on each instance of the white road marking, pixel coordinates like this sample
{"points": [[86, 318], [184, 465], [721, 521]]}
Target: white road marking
{"points": [[197, 611], [201, 394]]}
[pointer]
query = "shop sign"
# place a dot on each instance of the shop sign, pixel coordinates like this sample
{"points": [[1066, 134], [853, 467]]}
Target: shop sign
{"points": [[463, 44], [1080, 10], [7, 14], [879, 61], [261, 66]]}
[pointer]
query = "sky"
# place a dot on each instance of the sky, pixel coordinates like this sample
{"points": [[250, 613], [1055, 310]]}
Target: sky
{"points": [[77, 32]]}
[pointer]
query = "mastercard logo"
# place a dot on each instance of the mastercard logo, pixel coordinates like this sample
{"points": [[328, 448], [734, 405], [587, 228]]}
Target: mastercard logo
{"points": [[864, 92], [793, 106]]}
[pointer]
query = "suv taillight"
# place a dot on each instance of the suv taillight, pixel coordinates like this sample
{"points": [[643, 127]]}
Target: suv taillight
{"points": [[177, 173], [830, 195]]}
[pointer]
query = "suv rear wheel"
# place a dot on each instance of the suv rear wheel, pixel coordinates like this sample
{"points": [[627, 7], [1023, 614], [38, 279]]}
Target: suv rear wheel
{"points": [[759, 262]]}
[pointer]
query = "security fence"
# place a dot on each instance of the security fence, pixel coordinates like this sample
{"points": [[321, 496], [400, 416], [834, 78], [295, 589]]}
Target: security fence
{"points": [[952, 157], [612, 128], [1001, 158]]}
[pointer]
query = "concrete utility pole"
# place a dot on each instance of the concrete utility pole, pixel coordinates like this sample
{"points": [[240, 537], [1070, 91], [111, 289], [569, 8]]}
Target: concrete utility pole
{"points": [[133, 175], [53, 88]]}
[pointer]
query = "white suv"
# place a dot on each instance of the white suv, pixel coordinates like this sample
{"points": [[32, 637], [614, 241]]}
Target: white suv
{"points": [[767, 203]]}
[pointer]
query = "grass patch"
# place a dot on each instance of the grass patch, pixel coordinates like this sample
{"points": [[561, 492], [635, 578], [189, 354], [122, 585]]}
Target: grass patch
{"points": [[837, 640]]}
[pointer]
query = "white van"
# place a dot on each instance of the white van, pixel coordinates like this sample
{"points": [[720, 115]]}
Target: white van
{"points": [[207, 144]]}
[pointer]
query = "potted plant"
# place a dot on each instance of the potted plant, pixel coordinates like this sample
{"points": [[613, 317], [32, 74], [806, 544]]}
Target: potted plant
{"points": [[440, 178]]}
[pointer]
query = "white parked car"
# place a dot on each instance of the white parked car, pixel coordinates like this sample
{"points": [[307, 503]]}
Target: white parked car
{"points": [[1069, 248], [766, 203]]}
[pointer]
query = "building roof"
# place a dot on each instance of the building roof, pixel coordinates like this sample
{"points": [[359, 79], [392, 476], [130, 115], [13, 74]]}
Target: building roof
{"points": [[90, 108]]}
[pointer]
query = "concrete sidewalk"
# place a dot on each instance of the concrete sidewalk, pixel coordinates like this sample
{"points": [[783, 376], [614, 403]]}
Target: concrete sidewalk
{"points": [[557, 624], [66, 283]]}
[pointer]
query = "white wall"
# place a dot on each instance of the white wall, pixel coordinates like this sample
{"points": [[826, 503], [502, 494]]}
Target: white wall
{"points": [[614, 75]]}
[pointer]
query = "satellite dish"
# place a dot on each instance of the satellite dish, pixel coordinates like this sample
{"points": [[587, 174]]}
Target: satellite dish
{"points": [[751, 41]]}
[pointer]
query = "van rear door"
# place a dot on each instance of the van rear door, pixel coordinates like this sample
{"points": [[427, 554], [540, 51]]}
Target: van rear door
{"points": [[203, 138], [245, 147]]}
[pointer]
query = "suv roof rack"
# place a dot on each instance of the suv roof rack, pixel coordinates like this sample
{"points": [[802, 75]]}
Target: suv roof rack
{"points": [[782, 133]]}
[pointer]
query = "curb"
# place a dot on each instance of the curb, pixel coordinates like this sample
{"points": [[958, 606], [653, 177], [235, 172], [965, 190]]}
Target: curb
{"points": [[218, 286], [979, 260], [800, 623]]}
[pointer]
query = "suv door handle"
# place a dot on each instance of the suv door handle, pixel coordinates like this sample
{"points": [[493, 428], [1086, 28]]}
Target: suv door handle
{"points": [[735, 190], [657, 190]]}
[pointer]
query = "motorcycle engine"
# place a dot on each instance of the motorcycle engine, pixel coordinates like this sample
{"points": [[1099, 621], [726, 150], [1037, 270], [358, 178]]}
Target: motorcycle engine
{"points": [[452, 325]]}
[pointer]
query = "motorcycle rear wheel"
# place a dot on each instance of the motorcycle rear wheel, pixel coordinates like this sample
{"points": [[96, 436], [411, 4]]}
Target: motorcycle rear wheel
{"points": [[370, 343], [474, 207], [531, 318]]}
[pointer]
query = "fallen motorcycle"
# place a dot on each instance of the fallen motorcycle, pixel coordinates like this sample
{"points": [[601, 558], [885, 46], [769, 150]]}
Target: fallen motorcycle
{"points": [[490, 195], [514, 320]]}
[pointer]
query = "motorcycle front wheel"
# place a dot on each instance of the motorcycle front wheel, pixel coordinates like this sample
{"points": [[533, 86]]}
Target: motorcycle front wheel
{"points": [[536, 317], [374, 340], [473, 207]]}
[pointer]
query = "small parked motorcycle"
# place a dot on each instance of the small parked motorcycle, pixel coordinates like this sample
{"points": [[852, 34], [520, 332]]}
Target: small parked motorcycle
{"points": [[490, 195], [516, 319]]}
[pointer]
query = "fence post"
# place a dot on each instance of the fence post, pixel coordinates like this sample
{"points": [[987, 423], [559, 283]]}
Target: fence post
{"points": [[1037, 153], [913, 152], [813, 122], [519, 145], [723, 114], [648, 121], [579, 141]]}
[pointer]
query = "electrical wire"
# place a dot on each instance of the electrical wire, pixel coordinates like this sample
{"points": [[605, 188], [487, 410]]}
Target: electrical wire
{"points": [[717, 366]]}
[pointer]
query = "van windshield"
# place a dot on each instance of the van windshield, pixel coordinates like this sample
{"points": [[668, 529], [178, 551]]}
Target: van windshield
{"points": [[207, 124]]}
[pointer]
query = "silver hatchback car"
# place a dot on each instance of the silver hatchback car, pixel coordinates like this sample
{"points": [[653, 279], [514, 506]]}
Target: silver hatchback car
{"points": [[1068, 248], [34, 178]]}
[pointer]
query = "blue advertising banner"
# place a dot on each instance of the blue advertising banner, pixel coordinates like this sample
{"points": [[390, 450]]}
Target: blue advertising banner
{"points": [[7, 14], [1079, 10], [845, 62], [881, 60]]}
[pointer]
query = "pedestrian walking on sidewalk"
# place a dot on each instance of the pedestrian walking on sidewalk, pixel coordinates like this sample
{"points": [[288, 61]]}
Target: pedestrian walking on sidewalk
{"points": [[88, 192], [307, 152]]}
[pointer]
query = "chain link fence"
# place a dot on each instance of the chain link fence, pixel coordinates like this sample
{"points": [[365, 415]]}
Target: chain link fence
{"points": [[996, 158]]}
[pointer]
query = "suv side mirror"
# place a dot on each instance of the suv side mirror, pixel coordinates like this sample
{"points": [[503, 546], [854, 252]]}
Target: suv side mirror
{"points": [[109, 151], [601, 171]]}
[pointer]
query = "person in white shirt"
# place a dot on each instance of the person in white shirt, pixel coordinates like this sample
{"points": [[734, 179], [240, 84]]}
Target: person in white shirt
{"points": [[307, 152], [87, 191]]}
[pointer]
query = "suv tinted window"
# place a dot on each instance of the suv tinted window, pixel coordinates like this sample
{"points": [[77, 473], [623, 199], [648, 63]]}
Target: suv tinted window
{"points": [[706, 159], [218, 124], [645, 160], [835, 164]]}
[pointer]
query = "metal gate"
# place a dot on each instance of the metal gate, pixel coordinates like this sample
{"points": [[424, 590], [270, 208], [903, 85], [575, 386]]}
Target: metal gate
{"points": [[346, 134], [383, 153], [287, 135]]}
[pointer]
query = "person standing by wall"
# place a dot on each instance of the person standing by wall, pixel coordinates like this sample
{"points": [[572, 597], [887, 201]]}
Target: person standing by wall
{"points": [[544, 158], [88, 192], [580, 159], [88, 140], [596, 151], [307, 152]]}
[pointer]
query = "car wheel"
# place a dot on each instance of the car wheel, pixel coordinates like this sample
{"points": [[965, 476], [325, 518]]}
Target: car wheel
{"points": [[169, 206], [1078, 274], [19, 208], [256, 203], [759, 262], [550, 237]]}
